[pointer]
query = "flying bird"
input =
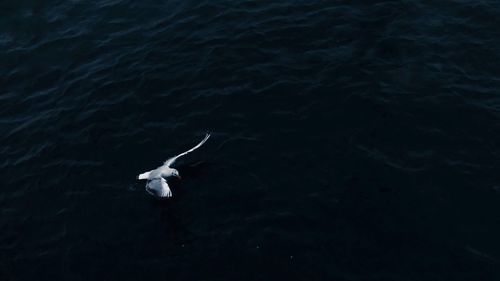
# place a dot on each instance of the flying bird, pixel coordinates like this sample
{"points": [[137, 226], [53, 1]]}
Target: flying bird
{"points": [[156, 179]]}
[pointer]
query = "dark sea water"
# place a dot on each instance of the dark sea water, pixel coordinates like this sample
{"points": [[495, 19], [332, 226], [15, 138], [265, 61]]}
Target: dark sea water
{"points": [[351, 140]]}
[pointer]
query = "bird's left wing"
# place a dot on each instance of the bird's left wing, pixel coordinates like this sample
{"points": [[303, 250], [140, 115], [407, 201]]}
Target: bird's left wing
{"points": [[171, 161]]}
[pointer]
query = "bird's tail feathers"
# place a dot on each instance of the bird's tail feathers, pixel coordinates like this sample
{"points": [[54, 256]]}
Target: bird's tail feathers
{"points": [[143, 176]]}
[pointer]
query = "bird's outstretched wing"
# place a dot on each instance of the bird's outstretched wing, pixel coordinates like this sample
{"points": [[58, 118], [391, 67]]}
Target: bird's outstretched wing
{"points": [[171, 161], [158, 187]]}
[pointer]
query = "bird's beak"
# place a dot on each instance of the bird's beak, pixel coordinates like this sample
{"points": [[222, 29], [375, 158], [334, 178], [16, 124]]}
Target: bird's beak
{"points": [[179, 177]]}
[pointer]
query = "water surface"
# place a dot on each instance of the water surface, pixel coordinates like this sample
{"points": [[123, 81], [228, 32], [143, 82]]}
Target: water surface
{"points": [[351, 140]]}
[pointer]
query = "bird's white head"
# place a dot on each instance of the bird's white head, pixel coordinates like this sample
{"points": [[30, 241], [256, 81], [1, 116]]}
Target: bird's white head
{"points": [[175, 173]]}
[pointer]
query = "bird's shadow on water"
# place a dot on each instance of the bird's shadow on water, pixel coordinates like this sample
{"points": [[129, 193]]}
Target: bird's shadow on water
{"points": [[171, 214]]}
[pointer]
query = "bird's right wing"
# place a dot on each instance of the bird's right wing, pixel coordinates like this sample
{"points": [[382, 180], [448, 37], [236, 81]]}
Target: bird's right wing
{"points": [[158, 187], [171, 161]]}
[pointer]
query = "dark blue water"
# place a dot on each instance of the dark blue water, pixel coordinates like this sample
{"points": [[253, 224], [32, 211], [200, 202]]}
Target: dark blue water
{"points": [[351, 140]]}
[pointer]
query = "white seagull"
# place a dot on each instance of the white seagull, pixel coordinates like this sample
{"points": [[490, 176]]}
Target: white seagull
{"points": [[157, 185]]}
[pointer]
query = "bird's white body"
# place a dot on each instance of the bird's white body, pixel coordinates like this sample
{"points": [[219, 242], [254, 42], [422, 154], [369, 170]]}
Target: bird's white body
{"points": [[157, 184], [162, 171]]}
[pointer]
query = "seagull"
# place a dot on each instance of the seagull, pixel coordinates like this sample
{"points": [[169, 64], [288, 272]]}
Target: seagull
{"points": [[157, 184]]}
